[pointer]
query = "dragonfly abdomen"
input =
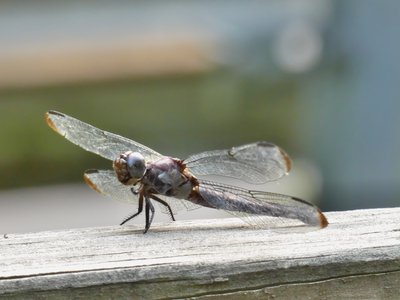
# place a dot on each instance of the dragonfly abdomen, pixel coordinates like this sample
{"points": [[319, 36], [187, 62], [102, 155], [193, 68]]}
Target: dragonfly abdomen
{"points": [[261, 203]]}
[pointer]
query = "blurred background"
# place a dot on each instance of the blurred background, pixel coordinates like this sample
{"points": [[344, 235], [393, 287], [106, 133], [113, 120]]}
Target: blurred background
{"points": [[320, 78]]}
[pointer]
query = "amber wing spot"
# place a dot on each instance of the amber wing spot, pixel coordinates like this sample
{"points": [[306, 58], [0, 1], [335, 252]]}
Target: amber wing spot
{"points": [[49, 119], [90, 183], [287, 160], [50, 122], [324, 221]]}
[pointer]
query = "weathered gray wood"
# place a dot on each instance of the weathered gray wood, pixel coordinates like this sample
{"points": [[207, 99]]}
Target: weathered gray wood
{"points": [[356, 257]]}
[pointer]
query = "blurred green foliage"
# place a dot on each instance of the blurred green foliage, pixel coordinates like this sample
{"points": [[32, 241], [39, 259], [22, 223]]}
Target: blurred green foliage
{"points": [[176, 116]]}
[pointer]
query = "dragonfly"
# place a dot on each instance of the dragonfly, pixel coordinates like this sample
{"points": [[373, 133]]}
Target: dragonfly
{"points": [[145, 176]]}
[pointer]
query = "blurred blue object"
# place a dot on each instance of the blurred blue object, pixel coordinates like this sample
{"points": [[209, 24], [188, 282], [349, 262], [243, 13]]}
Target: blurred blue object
{"points": [[351, 114]]}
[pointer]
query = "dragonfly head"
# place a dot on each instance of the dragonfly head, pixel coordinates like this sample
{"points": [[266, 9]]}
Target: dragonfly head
{"points": [[130, 167]]}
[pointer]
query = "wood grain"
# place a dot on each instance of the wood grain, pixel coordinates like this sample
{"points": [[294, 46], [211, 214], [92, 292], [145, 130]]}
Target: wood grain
{"points": [[357, 256]]}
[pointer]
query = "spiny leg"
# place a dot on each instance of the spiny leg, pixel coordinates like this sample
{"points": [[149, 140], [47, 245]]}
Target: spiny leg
{"points": [[140, 209], [165, 204], [149, 217]]}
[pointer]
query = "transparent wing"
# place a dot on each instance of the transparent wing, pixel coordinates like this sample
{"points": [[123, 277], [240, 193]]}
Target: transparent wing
{"points": [[243, 203], [253, 163], [177, 205], [105, 182], [90, 138]]}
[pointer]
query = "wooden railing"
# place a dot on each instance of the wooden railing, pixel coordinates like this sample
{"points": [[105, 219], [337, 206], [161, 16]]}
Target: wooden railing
{"points": [[356, 257]]}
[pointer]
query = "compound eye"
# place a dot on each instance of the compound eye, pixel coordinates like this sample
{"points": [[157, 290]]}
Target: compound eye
{"points": [[136, 164]]}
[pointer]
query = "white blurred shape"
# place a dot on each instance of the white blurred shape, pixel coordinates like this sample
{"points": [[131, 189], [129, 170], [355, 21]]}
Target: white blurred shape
{"points": [[297, 48]]}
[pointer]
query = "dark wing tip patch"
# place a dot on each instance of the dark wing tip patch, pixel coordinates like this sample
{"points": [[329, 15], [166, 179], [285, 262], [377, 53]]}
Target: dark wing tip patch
{"points": [[53, 112], [288, 161], [265, 144], [92, 171]]}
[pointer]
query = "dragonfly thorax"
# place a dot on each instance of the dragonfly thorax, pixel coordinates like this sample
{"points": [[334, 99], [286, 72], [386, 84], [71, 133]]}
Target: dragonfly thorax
{"points": [[130, 167], [166, 176]]}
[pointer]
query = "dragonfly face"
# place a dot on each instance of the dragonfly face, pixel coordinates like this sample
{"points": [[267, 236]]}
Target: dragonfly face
{"points": [[129, 167], [177, 183]]}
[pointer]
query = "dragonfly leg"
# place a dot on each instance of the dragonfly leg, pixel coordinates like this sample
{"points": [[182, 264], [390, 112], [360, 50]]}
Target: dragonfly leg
{"points": [[140, 209], [155, 198], [149, 217]]}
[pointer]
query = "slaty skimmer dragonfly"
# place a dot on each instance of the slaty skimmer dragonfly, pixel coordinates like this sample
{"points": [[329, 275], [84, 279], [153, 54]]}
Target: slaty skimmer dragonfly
{"points": [[144, 175]]}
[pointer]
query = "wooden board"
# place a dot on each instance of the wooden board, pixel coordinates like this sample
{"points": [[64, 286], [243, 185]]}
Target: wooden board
{"points": [[356, 257]]}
